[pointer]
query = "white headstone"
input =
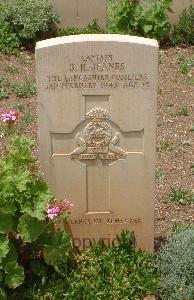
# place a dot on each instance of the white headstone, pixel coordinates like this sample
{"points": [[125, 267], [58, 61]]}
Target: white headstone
{"points": [[97, 99]]}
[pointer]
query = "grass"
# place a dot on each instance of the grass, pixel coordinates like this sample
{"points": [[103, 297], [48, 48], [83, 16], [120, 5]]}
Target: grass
{"points": [[28, 119], [25, 89], [11, 70], [181, 196], [163, 146], [182, 111], [4, 82], [20, 107], [159, 174], [3, 94], [189, 80], [185, 66]]}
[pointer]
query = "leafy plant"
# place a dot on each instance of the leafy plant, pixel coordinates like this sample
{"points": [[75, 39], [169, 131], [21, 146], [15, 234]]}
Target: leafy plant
{"points": [[189, 79], [4, 82], [132, 274], [163, 146], [11, 70], [175, 262], [3, 94], [28, 118], [183, 30], [183, 111], [130, 17], [159, 174], [24, 89], [9, 40], [4, 87], [186, 64], [181, 196], [20, 107], [25, 233], [23, 20]]}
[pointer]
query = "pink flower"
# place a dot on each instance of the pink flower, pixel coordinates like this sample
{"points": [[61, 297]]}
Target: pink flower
{"points": [[68, 204], [53, 212], [58, 207], [9, 117]]}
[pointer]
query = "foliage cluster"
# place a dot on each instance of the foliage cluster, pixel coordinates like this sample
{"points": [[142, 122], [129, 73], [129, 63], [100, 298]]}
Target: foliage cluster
{"points": [[163, 146], [26, 235], [183, 30], [9, 41], [23, 89], [181, 196], [185, 67], [24, 20], [176, 265], [118, 272], [129, 17], [182, 111]]}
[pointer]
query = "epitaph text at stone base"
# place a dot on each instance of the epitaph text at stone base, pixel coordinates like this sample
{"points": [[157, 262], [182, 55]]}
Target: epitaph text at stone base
{"points": [[97, 100]]}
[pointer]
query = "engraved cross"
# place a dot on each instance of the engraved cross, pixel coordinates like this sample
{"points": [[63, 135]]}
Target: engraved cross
{"points": [[100, 143]]}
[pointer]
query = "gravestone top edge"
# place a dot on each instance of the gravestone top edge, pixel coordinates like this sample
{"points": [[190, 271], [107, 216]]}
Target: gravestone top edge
{"points": [[96, 38]]}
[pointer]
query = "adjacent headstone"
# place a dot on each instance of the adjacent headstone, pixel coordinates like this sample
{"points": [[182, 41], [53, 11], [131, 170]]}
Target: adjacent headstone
{"points": [[177, 8], [79, 13], [97, 98]]}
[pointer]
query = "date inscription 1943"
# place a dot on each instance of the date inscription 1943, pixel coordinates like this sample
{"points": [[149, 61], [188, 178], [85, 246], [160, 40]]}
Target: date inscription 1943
{"points": [[97, 71]]}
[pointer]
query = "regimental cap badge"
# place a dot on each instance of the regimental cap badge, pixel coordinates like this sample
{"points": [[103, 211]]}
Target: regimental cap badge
{"points": [[97, 114]]}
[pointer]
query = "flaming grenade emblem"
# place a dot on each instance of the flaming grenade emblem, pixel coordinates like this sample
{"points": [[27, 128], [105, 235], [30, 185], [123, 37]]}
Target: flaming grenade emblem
{"points": [[97, 138]]}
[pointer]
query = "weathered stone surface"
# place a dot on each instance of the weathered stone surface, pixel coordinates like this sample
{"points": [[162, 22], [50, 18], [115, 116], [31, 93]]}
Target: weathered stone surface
{"points": [[97, 98], [79, 13]]}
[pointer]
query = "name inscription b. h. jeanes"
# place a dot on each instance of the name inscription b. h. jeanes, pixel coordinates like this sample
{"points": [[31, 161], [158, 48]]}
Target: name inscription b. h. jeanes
{"points": [[99, 71]]}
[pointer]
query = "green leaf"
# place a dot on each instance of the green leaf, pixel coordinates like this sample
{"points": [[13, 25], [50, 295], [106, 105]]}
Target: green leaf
{"points": [[7, 208], [4, 247], [12, 254], [57, 250], [30, 228], [147, 28], [3, 295], [6, 223], [20, 180], [13, 180], [38, 268], [14, 274], [37, 208]]}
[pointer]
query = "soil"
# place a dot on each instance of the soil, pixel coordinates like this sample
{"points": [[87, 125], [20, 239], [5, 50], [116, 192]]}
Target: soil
{"points": [[175, 139]]}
